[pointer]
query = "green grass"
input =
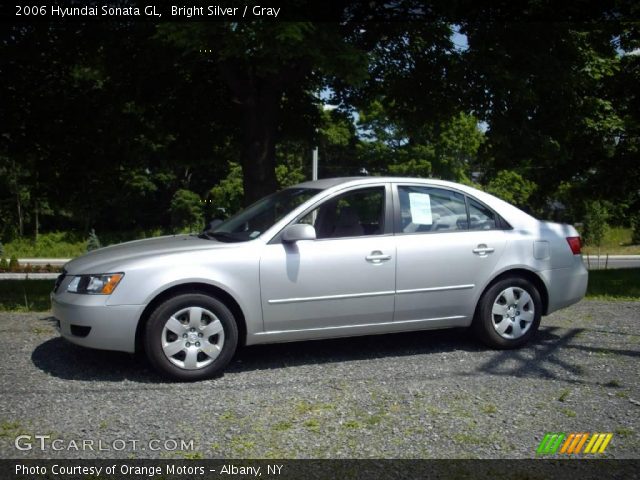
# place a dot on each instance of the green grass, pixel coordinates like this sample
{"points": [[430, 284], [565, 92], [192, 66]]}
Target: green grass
{"points": [[25, 295], [622, 284], [489, 408], [617, 241], [70, 244], [564, 395], [49, 245], [624, 432]]}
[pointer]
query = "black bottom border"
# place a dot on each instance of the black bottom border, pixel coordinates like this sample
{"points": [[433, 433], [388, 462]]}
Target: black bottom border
{"points": [[531, 469]]}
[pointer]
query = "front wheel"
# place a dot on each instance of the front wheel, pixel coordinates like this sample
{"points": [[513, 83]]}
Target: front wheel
{"points": [[509, 313], [191, 337]]}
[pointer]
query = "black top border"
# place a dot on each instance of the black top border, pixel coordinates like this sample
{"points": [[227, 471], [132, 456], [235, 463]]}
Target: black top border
{"points": [[359, 11]]}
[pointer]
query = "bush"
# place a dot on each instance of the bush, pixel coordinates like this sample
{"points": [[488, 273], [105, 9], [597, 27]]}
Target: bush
{"points": [[228, 194], [1, 250], [4, 265], [14, 265], [93, 243], [186, 210], [635, 229]]}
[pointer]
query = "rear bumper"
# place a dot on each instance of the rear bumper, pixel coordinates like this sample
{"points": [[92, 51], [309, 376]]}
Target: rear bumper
{"points": [[88, 321], [566, 286]]}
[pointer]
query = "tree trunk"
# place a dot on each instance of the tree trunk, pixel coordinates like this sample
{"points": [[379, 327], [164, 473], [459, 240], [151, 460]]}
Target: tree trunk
{"points": [[20, 220], [259, 101], [37, 226], [258, 158]]}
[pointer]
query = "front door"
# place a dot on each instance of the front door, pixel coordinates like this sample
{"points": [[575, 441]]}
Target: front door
{"points": [[344, 278]]}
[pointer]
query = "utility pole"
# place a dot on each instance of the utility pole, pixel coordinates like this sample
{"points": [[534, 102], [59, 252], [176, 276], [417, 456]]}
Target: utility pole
{"points": [[314, 164]]}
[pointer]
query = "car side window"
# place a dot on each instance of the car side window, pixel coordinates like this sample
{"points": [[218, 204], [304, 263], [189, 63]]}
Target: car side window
{"points": [[427, 209], [353, 214], [480, 217]]}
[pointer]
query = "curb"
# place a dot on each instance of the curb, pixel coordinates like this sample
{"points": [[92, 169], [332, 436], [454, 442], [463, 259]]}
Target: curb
{"points": [[612, 257], [28, 276], [43, 261]]}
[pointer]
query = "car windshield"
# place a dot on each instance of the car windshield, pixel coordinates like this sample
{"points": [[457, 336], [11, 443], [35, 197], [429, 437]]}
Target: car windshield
{"points": [[259, 217]]}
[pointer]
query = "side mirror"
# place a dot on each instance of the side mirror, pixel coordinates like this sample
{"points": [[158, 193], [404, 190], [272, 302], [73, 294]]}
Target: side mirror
{"points": [[298, 231]]}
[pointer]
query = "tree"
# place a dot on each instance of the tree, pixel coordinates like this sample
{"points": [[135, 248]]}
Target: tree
{"points": [[544, 88], [595, 223], [511, 187], [266, 66], [445, 150]]}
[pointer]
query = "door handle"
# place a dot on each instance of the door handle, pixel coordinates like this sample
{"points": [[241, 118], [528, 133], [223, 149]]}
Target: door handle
{"points": [[482, 250], [377, 257]]}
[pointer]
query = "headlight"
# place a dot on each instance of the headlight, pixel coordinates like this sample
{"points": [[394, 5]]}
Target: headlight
{"points": [[101, 284]]}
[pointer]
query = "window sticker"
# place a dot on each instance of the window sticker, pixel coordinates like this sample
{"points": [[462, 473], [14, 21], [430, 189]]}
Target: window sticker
{"points": [[420, 205]]}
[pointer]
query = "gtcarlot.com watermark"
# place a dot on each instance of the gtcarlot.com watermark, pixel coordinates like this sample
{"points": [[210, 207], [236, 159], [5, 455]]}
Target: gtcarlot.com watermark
{"points": [[47, 443]]}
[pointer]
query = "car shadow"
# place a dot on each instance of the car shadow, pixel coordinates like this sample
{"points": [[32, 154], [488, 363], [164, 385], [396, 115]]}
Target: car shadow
{"points": [[62, 359], [542, 359]]}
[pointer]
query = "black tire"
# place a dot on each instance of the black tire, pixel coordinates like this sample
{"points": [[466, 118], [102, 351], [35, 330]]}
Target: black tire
{"points": [[223, 343], [487, 324]]}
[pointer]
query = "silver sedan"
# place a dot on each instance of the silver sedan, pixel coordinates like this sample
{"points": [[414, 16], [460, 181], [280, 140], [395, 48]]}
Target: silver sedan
{"points": [[330, 258]]}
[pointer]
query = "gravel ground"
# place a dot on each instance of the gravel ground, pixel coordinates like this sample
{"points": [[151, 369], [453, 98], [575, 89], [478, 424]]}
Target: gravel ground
{"points": [[415, 395]]}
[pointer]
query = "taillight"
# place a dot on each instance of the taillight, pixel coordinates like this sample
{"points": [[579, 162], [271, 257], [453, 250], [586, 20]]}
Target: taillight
{"points": [[574, 244]]}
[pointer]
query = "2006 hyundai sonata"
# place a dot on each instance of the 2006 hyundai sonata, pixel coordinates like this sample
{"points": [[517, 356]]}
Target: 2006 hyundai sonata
{"points": [[330, 258]]}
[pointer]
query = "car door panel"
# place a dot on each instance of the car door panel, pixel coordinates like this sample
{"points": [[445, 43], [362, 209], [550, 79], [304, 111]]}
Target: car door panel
{"points": [[345, 277], [444, 254], [438, 275], [328, 283]]}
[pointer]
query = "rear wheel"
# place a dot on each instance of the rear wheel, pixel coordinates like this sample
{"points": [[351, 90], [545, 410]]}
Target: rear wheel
{"points": [[191, 337], [509, 313]]}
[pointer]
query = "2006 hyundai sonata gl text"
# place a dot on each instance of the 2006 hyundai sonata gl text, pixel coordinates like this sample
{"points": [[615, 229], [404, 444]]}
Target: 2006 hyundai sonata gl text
{"points": [[330, 258]]}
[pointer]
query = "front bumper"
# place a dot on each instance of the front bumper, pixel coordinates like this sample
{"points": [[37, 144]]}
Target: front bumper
{"points": [[88, 321]]}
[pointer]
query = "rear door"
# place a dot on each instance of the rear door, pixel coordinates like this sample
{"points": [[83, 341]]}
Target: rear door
{"points": [[447, 249]]}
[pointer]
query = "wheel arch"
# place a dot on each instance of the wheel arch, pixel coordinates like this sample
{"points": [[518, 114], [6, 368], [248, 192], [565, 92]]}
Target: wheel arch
{"points": [[529, 275], [193, 287]]}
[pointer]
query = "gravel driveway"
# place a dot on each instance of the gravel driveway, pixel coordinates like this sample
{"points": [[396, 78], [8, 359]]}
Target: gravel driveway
{"points": [[425, 394]]}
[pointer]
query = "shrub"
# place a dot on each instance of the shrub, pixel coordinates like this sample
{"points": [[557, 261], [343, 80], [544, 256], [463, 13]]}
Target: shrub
{"points": [[93, 243], [186, 210], [4, 265], [635, 228], [1, 250], [14, 265], [228, 194]]}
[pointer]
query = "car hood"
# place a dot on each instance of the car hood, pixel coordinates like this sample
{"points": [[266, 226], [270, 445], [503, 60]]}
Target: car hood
{"points": [[110, 259]]}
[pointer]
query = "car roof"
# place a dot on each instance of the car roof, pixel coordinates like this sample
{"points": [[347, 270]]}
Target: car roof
{"points": [[325, 183]]}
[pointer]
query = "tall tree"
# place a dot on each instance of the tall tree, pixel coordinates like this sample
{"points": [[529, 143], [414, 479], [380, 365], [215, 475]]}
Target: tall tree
{"points": [[542, 84], [267, 65]]}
